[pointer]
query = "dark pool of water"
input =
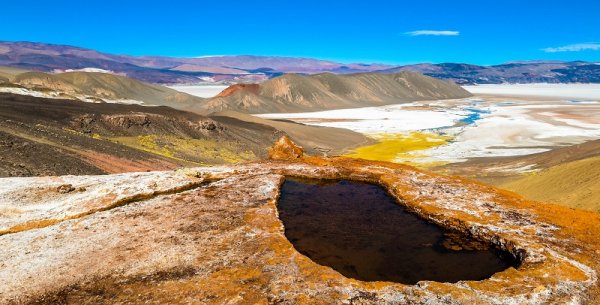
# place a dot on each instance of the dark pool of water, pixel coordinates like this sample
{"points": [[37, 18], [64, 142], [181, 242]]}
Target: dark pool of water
{"points": [[359, 230]]}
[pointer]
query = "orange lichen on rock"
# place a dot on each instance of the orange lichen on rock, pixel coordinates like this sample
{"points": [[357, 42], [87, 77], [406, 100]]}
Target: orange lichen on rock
{"points": [[224, 243], [285, 149]]}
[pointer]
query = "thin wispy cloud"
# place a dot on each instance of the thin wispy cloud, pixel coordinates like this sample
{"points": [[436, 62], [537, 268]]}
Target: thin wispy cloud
{"points": [[432, 33], [578, 47]]}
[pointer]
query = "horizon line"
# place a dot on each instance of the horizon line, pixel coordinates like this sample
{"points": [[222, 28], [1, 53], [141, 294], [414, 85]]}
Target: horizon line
{"points": [[338, 61]]}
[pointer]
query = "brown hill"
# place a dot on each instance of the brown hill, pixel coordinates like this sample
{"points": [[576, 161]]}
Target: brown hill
{"points": [[40, 136], [106, 86], [293, 92], [496, 169], [246, 88]]}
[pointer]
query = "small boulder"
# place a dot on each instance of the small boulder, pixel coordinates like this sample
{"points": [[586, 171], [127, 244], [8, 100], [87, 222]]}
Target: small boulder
{"points": [[65, 188], [285, 149]]}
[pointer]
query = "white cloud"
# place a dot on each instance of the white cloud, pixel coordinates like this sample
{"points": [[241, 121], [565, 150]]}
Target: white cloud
{"points": [[432, 33], [590, 46]]}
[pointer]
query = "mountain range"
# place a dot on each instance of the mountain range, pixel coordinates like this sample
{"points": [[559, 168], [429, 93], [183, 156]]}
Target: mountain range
{"points": [[160, 69], [513, 72], [285, 93], [246, 68]]}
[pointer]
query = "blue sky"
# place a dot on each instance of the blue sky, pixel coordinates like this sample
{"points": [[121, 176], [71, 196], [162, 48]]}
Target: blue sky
{"points": [[479, 32]]}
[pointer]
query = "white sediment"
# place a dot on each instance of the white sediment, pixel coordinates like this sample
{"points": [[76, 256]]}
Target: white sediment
{"points": [[73, 96], [374, 120], [24, 91], [200, 90], [577, 91]]}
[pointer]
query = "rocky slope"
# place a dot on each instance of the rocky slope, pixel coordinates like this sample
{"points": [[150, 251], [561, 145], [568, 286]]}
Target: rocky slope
{"points": [[575, 184], [52, 136], [568, 176], [212, 236], [40, 136], [287, 93], [294, 93]]}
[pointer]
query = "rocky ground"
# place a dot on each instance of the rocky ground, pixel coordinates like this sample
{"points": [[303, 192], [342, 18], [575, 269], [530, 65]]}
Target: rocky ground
{"points": [[51, 136], [212, 236], [45, 136]]}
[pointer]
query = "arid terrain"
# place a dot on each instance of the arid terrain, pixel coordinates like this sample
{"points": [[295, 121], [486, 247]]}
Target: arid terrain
{"points": [[300, 153], [99, 122], [155, 194], [522, 138], [103, 123], [227, 243]]}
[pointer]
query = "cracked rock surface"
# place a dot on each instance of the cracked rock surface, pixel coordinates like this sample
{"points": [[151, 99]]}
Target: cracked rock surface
{"points": [[212, 236]]}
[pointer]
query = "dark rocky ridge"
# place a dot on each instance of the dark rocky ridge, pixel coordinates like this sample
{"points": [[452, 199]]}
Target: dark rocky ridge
{"points": [[42, 136]]}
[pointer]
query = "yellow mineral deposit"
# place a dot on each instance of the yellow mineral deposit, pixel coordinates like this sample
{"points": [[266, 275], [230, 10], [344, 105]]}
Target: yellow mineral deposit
{"points": [[404, 147]]}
